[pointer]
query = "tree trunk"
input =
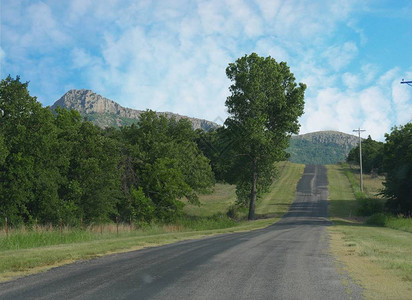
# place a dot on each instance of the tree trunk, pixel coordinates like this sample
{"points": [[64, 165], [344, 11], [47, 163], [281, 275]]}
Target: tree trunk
{"points": [[253, 197]]}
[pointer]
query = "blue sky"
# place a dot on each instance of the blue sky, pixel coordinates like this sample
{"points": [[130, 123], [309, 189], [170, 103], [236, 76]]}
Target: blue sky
{"points": [[172, 55]]}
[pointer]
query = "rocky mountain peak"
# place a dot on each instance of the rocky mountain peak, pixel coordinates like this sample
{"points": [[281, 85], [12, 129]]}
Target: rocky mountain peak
{"points": [[105, 112]]}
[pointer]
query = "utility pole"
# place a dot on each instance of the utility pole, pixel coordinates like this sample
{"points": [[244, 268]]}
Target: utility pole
{"points": [[410, 84], [360, 156]]}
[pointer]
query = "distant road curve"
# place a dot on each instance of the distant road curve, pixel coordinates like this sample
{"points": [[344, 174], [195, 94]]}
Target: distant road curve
{"points": [[288, 260]]}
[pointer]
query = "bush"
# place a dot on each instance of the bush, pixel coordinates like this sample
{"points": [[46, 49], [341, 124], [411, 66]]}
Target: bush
{"points": [[237, 212], [233, 212], [369, 206], [399, 223], [378, 219]]}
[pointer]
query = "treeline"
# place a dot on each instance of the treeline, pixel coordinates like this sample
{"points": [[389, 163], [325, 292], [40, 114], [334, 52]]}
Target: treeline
{"points": [[394, 159], [55, 166]]}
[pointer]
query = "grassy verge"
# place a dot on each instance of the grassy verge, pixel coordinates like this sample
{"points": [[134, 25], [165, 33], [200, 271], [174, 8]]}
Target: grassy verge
{"points": [[282, 193], [370, 204], [379, 258], [14, 263], [27, 251]]}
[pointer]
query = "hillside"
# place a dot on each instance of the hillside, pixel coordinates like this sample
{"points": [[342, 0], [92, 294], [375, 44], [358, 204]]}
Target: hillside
{"points": [[107, 113], [322, 147]]}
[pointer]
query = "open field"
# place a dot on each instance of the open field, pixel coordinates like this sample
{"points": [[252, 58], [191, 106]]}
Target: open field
{"points": [[27, 251], [215, 203], [379, 258], [275, 203]]}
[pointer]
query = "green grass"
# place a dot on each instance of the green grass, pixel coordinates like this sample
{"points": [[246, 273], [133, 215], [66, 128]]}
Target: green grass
{"points": [[379, 258], [274, 203], [219, 201], [18, 262], [342, 199], [368, 203], [282, 192], [399, 223], [24, 238], [32, 258]]}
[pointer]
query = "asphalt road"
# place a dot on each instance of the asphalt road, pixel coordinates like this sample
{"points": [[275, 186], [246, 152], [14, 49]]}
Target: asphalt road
{"points": [[288, 260]]}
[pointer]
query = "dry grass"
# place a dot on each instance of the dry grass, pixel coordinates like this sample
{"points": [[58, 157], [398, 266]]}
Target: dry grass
{"points": [[378, 282], [373, 185]]}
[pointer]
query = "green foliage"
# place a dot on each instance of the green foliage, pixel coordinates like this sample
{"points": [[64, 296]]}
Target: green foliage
{"points": [[372, 155], [390, 221], [109, 120], [142, 207], [307, 152], [164, 160], [399, 223], [58, 167], [378, 219], [397, 162], [369, 206], [28, 171], [3, 150], [264, 106], [216, 221], [366, 205]]}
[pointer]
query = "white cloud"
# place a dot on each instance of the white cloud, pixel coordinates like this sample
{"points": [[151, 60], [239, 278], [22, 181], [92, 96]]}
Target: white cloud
{"points": [[82, 59], [79, 8], [44, 30], [2, 56], [340, 56], [402, 101], [375, 108], [350, 80]]}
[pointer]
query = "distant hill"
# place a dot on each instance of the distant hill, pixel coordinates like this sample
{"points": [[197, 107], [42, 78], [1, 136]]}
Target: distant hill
{"points": [[322, 147], [107, 113]]}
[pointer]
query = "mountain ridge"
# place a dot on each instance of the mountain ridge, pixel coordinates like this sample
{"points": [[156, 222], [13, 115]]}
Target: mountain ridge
{"points": [[105, 112]]}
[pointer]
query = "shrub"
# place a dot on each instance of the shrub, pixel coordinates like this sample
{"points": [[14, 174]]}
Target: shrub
{"points": [[378, 219], [369, 206]]}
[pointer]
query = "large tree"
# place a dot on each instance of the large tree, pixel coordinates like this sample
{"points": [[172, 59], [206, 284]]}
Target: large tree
{"points": [[162, 164], [397, 162], [264, 107]]}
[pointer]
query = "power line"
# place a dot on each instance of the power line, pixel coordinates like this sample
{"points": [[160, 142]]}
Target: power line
{"points": [[406, 82], [360, 156]]}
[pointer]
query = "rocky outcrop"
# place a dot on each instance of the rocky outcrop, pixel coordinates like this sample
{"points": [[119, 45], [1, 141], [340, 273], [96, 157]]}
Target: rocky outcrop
{"points": [[105, 112]]}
